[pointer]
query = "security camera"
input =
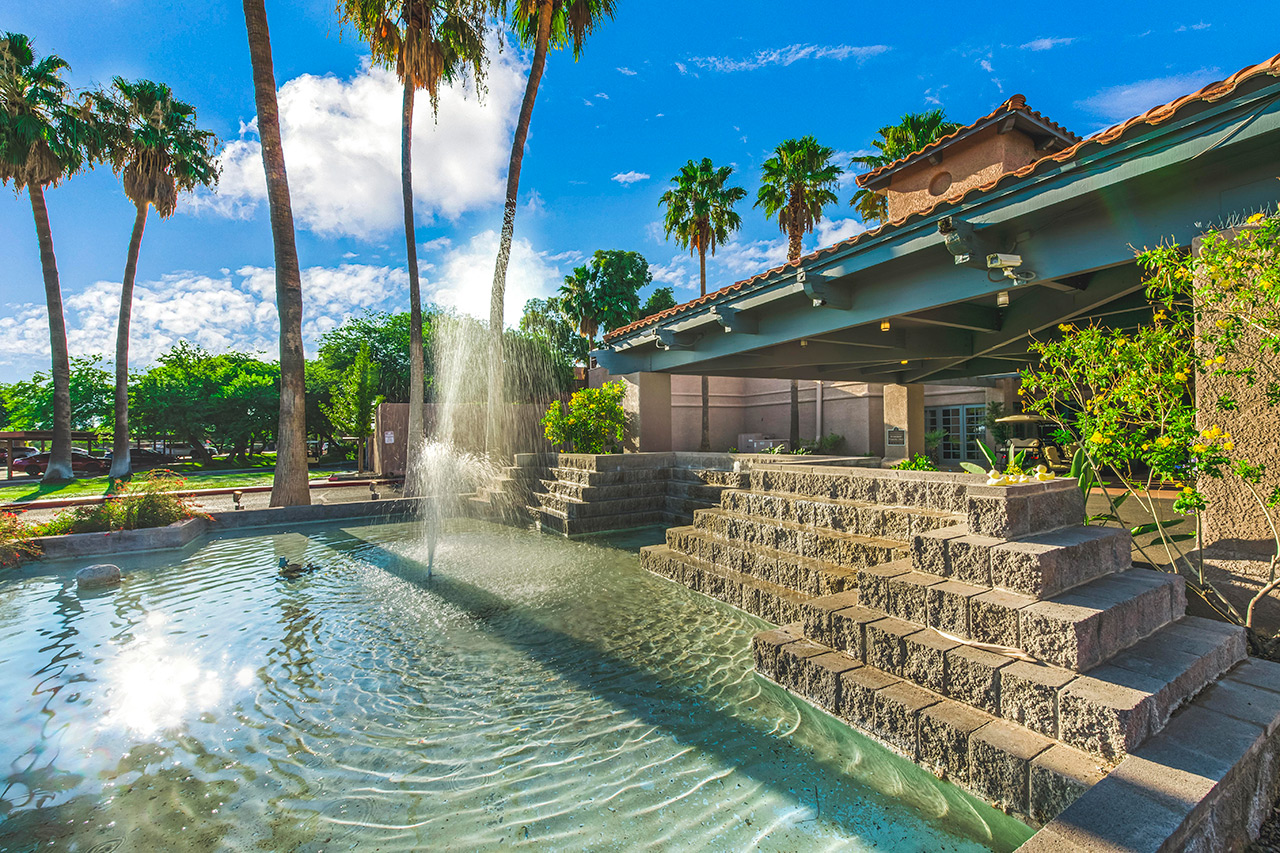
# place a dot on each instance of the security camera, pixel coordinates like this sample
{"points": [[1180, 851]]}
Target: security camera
{"points": [[997, 261]]}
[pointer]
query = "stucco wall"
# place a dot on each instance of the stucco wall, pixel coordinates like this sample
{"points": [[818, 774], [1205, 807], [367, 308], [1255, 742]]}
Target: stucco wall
{"points": [[977, 160], [523, 431]]}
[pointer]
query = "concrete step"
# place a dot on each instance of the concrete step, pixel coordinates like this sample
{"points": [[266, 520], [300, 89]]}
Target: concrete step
{"points": [[1106, 712], [850, 516], [1077, 630], [551, 521], [811, 577], [590, 477], [580, 492], [570, 508], [1039, 565], [756, 596], [930, 490], [694, 490], [711, 477], [847, 550], [1018, 770]]}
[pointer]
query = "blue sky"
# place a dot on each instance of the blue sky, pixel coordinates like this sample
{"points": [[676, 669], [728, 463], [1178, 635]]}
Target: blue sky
{"points": [[659, 85]]}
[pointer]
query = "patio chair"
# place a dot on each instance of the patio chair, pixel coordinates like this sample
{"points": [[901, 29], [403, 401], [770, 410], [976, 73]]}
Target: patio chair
{"points": [[1054, 460]]}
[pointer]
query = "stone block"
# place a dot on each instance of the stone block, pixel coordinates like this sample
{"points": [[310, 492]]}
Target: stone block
{"points": [[1056, 506], [929, 550], [1058, 777], [943, 733], [993, 617], [1000, 755], [969, 558], [924, 660], [1048, 563], [871, 521], [947, 607], [792, 662], [858, 687], [1063, 634], [682, 540], [766, 646], [974, 676], [818, 625], [1115, 816], [884, 643], [1029, 695], [896, 525], [822, 678], [873, 584], [848, 633], [1103, 718], [997, 515], [907, 596], [897, 712], [1257, 673]]}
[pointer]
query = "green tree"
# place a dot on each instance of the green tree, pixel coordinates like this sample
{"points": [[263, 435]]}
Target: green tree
{"points": [[45, 137], [895, 141], [428, 43], [577, 301], [542, 24], [355, 401], [387, 336], [545, 319], [30, 403], [617, 277], [660, 300], [153, 143], [701, 216], [592, 422], [799, 180], [290, 486]]}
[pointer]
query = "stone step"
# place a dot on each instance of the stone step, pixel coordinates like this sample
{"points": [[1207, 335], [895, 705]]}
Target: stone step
{"points": [[847, 550], [1016, 769], [1040, 565], [551, 521], [1077, 630], [756, 596], [812, 577], [590, 477], [694, 490], [711, 477], [581, 492], [850, 516], [570, 508], [1107, 711], [931, 490]]}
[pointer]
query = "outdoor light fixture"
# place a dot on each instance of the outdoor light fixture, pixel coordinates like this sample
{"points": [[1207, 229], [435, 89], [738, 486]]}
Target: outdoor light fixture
{"points": [[884, 325], [803, 342], [904, 361], [373, 491], [235, 498], [1002, 299]]}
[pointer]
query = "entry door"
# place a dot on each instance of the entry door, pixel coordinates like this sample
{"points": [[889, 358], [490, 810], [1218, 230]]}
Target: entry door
{"points": [[964, 426]]}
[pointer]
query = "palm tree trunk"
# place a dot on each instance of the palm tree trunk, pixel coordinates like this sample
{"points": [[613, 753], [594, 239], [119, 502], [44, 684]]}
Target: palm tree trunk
{"points": [[705, 444], [417, 360], [795, 247], [290, 486], [59, 467], [493, 437], [120, 463]]}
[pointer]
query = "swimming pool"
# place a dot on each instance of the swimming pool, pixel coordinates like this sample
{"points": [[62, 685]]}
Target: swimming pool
{"points": [[534, 693]]}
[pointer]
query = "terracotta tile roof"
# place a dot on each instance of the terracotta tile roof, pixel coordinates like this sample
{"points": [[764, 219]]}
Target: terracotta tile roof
{"points": [[1017, 103], [1154, 116]]}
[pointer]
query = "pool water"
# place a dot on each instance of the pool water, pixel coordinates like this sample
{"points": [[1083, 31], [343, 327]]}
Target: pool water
{"points": [[534, 693]]}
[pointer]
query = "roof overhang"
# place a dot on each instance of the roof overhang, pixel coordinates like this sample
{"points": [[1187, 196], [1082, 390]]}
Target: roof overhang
{"points": [[1075, 224]]}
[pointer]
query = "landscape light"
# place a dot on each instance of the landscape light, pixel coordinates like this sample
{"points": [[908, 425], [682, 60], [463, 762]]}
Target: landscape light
{"points": [[235, 498], [884, 325]]}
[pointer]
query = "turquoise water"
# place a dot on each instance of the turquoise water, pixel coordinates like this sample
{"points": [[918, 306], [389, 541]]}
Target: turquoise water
{"points": [[536, 693]]}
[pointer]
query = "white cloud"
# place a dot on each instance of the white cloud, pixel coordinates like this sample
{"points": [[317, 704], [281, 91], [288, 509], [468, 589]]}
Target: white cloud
{"points": [[832, 231], [985, 65], [682, 68], [743, 260], [1122, 102], [466, 277], [785, 56], [627, 71], [629, 178], [602, 96], [676, 273], [1200, 26], [342, 150], [1046, 43], [25, 332]]}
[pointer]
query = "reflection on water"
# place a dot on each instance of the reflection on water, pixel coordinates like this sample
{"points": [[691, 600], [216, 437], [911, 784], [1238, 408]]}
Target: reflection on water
{"points": [[536, 692]]}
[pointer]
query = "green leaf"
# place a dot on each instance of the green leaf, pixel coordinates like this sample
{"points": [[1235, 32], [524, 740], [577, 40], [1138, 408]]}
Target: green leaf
{"points": [[1181, 537], [1143, 529], [1119, 502], [1078, 463], [972, 469], [1019, 459], [1103, 517], [990, 454]]}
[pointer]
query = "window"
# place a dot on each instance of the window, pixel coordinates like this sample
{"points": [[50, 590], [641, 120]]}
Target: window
{"points": [[965, 427]]}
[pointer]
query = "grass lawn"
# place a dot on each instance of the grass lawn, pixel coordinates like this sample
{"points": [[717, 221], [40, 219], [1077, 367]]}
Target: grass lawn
{"points": [[33, 490]]}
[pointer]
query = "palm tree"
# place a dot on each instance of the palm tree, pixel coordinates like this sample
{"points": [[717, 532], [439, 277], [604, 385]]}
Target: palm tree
{"points": [[543, 24], [912, 132], [700, 213], [290, 486], [154, 145], [44, 138], [429, 43], [577, 304], [799, 180]]}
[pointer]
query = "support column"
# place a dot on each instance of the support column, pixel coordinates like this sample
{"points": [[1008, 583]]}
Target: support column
{"points": [[903, 422], [647, 407]]}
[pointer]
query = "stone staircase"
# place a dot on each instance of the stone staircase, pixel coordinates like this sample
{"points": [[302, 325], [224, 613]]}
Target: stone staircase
{"points": [[980, 631]]}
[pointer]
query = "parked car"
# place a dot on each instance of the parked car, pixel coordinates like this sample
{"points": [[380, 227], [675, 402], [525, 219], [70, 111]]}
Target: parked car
{"points": [[19, 451], [81, 463], [140, 457]]}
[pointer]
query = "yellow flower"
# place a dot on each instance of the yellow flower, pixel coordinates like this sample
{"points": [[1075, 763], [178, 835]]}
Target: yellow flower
{"points": [[1164, 441], [1220, 359], [1063, 327], [1256, 218], [1180, 376], [1228, 445], [1158, 316], [1187, 490], [1021, 391], [1199, 448], [1097, 437]]}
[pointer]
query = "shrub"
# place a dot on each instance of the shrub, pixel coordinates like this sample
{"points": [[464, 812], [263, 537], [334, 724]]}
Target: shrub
{"points": [[15, 540], [592, 422], [918, 462], [151, 499]]}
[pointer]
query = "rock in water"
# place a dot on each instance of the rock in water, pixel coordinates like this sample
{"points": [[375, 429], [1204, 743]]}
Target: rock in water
{"points": [[93, 577]]}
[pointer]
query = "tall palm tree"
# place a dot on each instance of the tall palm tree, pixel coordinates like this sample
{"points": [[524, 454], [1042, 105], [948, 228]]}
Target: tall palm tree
{"points": [[578, 305], [912, 132], [701, 216], [290, 486], [428, 43], [154, 145], [45, 136], [542, 24], [799, 180]]}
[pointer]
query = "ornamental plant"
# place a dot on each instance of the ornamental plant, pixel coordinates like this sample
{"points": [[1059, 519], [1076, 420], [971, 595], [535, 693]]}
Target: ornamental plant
{"points": [[1127, 396], [591, 423], [16, 540]]}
